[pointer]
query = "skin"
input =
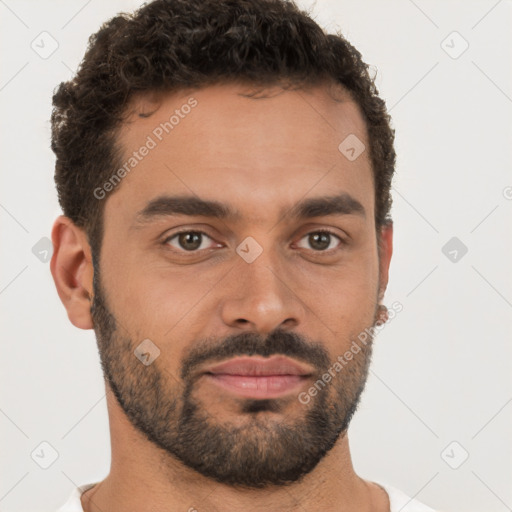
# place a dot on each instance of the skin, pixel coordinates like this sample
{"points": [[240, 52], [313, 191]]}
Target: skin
{"points": [[259, 156]]}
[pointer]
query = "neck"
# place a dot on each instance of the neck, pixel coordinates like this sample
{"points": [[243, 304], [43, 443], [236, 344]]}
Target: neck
{"points": [[145, 478]]}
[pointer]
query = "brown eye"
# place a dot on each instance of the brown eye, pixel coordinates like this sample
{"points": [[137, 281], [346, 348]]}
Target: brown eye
{"points": [[320, 240], [187, 240]]}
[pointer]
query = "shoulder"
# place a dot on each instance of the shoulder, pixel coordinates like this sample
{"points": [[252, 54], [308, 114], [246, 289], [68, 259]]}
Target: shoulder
{"points": [[400, 501], [74, 503]]}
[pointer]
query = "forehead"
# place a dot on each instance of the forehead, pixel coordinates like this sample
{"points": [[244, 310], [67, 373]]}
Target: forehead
{"points": [[256, 153]]}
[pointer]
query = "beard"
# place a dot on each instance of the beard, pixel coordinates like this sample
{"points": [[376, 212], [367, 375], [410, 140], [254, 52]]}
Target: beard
{"points": [[265, 446]]}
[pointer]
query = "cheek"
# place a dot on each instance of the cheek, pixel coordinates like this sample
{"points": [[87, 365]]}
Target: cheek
{"points": [[155, 301], [350, 300], [346, 298]]}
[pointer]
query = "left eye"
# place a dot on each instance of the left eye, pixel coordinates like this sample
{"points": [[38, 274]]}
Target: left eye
{"points": [[321, 240], [188, 240]]}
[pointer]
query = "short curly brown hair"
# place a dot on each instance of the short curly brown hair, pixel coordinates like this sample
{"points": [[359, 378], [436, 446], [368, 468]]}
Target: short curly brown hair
{"points": [[168, 45]]}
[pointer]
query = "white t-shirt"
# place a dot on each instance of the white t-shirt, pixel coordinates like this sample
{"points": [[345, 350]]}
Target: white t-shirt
{"points": [[399, 501]]}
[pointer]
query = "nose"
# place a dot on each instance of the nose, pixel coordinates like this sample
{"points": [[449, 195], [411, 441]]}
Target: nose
{"points": [[261, 298]]}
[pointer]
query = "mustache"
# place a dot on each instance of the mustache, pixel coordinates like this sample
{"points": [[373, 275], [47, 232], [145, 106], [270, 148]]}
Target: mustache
{"points": [[278, 342]]}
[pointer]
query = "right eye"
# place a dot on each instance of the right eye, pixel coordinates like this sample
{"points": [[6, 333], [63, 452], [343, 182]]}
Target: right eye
{"points": [[189, 241]]}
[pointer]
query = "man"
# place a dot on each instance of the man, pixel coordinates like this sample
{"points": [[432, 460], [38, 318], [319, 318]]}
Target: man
{"points": [[224, 169]]}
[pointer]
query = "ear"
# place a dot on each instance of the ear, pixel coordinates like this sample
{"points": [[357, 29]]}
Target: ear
{"points": [[72, 271], [385, 241]]}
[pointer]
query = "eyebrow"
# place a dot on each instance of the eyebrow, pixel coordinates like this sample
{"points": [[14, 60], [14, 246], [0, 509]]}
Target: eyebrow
{"points": [[163, 206]]}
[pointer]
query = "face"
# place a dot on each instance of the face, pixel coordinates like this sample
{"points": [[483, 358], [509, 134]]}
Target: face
{"points": [[242, 236]]}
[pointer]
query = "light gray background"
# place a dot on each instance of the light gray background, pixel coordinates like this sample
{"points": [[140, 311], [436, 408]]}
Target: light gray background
{"points": [[441, 370]]}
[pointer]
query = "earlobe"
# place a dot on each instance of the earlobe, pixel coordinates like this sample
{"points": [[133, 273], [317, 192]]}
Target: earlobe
{"points": [[72, 271], [385, 253]]}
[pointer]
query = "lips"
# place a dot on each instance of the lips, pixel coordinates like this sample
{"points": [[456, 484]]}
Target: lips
{"points": [[256, 377], [255, 366]]}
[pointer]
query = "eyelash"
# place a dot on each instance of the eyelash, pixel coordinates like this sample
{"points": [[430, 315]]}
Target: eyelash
{"points": [[326, 251]]}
